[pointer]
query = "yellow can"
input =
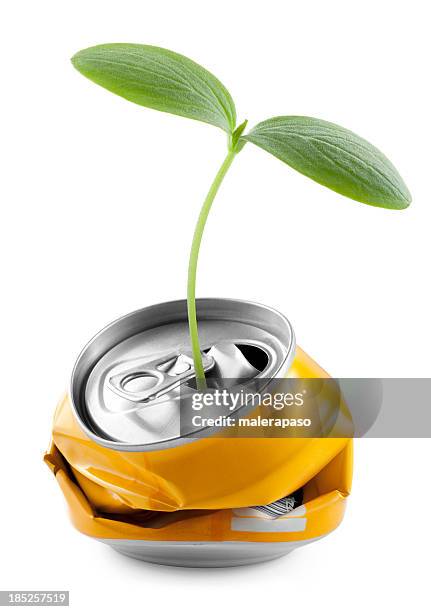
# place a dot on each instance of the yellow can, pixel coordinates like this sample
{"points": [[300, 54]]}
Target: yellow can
{"points": [[133, 481]]}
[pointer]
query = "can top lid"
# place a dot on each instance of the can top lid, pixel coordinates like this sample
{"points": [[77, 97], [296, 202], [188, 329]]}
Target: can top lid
{"points": [[125, 385]]}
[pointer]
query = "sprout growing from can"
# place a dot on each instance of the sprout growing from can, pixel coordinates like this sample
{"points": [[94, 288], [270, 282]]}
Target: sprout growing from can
{"points": [[325, 152]]}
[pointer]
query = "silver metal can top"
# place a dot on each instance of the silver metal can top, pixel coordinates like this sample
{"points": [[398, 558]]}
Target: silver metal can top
{"points": [[126, 383]]}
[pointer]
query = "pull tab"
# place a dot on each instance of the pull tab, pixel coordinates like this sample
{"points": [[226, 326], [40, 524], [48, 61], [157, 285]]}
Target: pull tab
{"points": [[149, 380]]}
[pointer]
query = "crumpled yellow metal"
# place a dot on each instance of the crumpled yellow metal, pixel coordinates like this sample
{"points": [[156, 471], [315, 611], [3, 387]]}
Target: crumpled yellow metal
{"points": [[194, 491]]}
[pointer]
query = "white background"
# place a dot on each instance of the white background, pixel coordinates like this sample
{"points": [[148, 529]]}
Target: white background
{"points": [[99, 200]]}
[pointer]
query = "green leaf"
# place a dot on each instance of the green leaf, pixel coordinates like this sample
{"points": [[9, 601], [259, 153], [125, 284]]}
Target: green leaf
{"points": [[236, 136], [334, 157], [160, 79]]}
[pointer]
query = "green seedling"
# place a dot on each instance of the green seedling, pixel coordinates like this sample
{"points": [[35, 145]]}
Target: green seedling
{"points": [[325, 152]]}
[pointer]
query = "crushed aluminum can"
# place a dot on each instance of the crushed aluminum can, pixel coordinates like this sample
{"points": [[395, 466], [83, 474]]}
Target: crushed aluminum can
{"points": [[134, 482]]}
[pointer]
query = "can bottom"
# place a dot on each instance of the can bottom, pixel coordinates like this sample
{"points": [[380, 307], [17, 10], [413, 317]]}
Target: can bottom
{"points": [[203, 554]]}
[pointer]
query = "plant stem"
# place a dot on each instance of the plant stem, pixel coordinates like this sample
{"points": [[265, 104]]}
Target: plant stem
{"points": [[193, 264]]}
